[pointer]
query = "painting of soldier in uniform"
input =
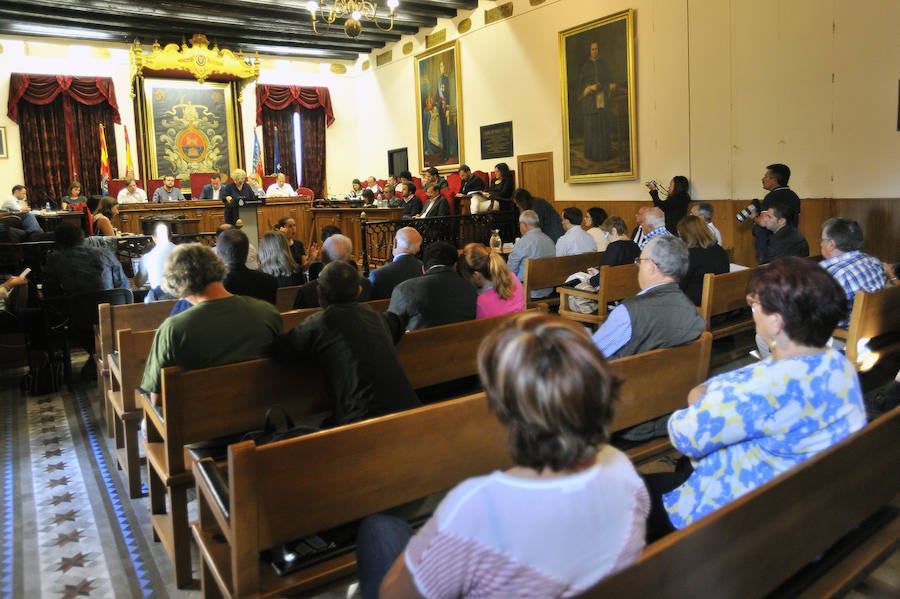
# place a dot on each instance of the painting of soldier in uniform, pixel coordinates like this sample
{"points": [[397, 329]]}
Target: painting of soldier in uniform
{"points": [[440, 111], [597, 66]]}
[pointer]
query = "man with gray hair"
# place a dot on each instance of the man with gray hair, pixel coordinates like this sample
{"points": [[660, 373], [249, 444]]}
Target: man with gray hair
{"points": [[705, 211], [337, 248], [654, 226], [841, 242], [534, 243], [660, 315], [220, 328], [405, 264]]}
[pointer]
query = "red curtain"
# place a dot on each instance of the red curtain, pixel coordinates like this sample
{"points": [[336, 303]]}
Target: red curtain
{"points": [[59, 118], [275, 107]]}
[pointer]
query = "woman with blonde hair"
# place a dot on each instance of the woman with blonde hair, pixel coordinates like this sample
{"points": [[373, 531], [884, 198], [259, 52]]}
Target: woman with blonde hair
{"points": [[499, 291], [275, 259], [704, 255]]}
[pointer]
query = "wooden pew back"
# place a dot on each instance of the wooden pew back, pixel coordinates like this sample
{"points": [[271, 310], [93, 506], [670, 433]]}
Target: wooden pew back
{"points": [[873, 315], [722, 294], [616, 283], [285, 296], [552, 272], [753, 545]]}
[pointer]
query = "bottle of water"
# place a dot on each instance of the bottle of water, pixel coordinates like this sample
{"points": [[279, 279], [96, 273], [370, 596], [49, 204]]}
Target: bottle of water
{"points": [[47, 207], [496, 242]]}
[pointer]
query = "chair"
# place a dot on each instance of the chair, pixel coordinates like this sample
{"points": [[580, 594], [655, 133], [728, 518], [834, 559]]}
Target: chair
{"points": [[70, 319], [485, 178], [197, 181], [454, 181], [306, 192], [88, 217]]}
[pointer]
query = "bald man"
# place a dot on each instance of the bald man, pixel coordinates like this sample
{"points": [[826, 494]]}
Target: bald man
{"points": [[405, 265]]}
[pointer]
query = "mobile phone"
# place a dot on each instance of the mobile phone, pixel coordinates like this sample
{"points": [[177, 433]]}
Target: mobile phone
{"points": [[25, 272]]}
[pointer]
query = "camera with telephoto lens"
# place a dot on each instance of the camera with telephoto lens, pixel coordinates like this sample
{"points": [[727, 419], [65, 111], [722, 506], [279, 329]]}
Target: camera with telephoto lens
{"points": [[752, 209], [651, 182]]}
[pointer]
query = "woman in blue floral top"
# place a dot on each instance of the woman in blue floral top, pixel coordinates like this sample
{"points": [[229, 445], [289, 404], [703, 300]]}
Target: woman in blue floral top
{"points": [[745, 427]]}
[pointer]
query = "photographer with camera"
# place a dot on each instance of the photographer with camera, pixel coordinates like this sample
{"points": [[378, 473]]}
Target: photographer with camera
{"points": [[775, 181], [676, 204]]}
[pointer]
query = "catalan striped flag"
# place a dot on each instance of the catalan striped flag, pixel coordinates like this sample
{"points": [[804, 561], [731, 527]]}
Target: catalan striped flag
{"points": [[129, 163], [257, 158], [104, 163]]}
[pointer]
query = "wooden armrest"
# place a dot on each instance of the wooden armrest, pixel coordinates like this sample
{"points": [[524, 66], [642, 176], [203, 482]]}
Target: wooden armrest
{"points": [[562, 291], [840, 334]]}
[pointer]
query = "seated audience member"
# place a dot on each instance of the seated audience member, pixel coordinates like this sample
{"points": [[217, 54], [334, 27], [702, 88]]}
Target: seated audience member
{"points": [[550, 222], [393, 180], [704, 256], [841, 242], [412, 205], [675, 206], [469, 182], [76, 267], [287, 226], [73, 196], [103, 212], [745, 427], [593, 219], [575, 240], [620, 249], [252, 254], [232, 246], [439, 297], [335, 248], [637, 234], [235, 191], [7, 286], [433, 176], [356, 191], [220, 328], [436, 205], [275, 259], [404, 266], [569, 513], [499, 291], [354, 347], [131, 193], [17, 203], [393, 201], [654, 225], [168, 192], [153, 263], [500, 188], [374, 186], [705, 211], [280, 188], [785, 239], [660, 315], [213, 189], [534, 243], [315, 264]]}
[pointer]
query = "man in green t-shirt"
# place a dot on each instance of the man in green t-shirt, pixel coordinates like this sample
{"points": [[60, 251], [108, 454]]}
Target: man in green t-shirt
{"points": [[220, 328]]}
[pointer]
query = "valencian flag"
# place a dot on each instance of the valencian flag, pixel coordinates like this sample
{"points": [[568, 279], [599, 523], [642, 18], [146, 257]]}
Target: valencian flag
{"points": [[129, 165], [104, 163], [278, 168], [257, 159]]}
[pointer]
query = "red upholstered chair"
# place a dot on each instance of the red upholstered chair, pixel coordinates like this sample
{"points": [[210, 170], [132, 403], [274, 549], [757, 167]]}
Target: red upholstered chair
{"points": [[455, 182], [418, 182], [115, 186], [485, 178], [364, 183], [198, 180], [451, 199], [381, 183], [88, 217], [512, 175], [420, 193], [267, 180], [306, 192]]}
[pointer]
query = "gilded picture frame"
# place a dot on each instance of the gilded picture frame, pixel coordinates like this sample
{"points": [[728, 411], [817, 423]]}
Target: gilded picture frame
{"points": [[439, 100], [598, 100], [4, 151], [188, 127]]}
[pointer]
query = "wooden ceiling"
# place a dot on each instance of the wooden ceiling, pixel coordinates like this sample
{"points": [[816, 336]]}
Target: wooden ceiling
{"points": [[271, 27]]}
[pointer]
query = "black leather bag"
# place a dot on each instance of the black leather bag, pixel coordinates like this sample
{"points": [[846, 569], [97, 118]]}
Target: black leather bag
{"points": [[278, 426]]}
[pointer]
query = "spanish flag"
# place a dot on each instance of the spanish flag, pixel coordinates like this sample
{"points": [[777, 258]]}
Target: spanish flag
{"points": [[257, 159], [104, 163], [129, 164]]}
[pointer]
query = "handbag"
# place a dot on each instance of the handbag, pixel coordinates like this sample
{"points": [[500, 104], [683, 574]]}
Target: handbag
{"points": [[278, 426]]}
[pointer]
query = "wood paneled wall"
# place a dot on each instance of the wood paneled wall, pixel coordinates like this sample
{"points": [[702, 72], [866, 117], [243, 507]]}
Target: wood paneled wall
{"points": [[879, 217]]}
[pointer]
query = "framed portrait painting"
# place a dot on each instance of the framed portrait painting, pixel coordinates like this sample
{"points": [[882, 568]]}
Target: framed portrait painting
{"points": [[598, 99], [439, 100], [188, 127]]}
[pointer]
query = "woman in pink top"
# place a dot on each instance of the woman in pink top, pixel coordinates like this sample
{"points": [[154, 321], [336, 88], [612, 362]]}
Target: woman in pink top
{"points": [[499, 291]]}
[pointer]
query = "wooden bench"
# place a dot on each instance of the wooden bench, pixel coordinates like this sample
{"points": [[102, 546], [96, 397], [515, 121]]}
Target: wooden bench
{"points": [[723, 294], [285, 296], [552, 272], [616, 283], [875, 318], [193, 410], [136, 317], [384, 467], [767, 542], [335, 477]]}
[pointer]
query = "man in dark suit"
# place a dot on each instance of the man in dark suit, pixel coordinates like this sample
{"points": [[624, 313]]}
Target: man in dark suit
{"points": [[211, 190], [337, 248], [404, 266], [785, 240], [470, 182], [232, 246], [412, 205], [440, 297], [436, 205]]}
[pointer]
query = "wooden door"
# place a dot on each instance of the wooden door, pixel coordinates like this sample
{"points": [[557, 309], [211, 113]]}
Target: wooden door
{"points": [[534, 172]]}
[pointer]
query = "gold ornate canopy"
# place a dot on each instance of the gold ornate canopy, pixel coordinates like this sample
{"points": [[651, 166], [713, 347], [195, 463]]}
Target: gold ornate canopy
{"points": [[195, 58]]}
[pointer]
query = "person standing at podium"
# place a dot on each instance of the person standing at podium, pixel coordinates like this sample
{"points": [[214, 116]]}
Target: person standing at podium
{"points": [[235, 191]]}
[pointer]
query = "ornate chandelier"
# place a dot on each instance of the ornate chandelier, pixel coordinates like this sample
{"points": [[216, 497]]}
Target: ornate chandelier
{"points": [[353, 10]]}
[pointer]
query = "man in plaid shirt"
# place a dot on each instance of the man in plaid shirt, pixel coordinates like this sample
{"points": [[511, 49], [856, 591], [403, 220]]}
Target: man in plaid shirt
{"points": [[855, 271]]}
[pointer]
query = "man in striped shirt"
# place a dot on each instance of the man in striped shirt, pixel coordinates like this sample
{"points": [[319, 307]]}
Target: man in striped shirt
{"points": [[841, 242]]}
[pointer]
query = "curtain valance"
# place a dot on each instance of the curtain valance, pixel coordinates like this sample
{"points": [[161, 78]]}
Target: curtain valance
{"points": [[43, 89], [279, 97]]}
